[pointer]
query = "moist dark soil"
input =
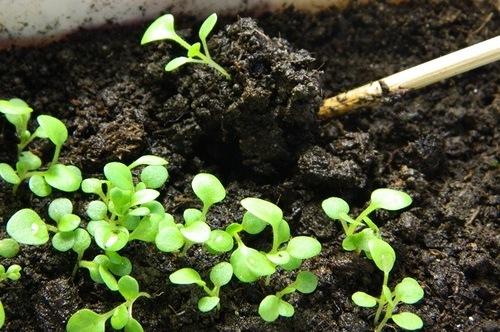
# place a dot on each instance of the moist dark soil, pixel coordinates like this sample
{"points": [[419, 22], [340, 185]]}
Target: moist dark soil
{"points": [[259, 133]]}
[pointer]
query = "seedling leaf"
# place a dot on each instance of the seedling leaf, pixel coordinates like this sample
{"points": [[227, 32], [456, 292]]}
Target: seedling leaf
{"points": [[186, 276], [335, 207], [208, 189], [169, 239], [86, 320], [64, 178], [9, 174], [207, 303], [176, 63], [59, 208], [207, 26], [221, 274], [269, 308], [408, 321], [8, 248], [26, 227], [286, 309], [220, 241], [119, 175], [53, 129], [383, 255], [409, 291], [149, 160], [63, 241], [154, 176], [303, 247], [390, 199], [251, 224], [249, 264], [364, 300], [161, 28], [306, 282], [120, 317], [263, 210], [197, 232], [39, 186], [128, 287]]}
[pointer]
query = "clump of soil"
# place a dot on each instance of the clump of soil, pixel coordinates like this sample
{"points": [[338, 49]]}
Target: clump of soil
{"points": [[258, 133]]}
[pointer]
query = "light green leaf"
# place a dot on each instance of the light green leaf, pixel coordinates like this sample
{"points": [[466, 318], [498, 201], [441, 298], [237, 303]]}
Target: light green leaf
{"points": [[97, 210], [8, 248], [64, 178], [92, 186], [221, 274], [293, 264], [176, 63], [28, 161], [144, 196], [186, 276], [207, 303], [146, 230], [306, 282], [169, 239], [39, 186], [26, 227], [335, 207], [303, 247], [409, 291], [118, 265], [383, 255], [154, 176], [283, 232], [220, 241], [128, 287], [286, 309], [9, 174], [121, 200], [192, 215], [251, 224], [119, 175], [68, 223], [233, 229], [53, 129], [63, 241], [120, 317], [364, 300], [149, 160], [249, 264], [86, 320], [82, 241], [194, 50], [208, 189], [108, 278], [279, 258], [263, 210], [269, 308], [2, 315], [15, 106], [111, 239], [161, 28], [408, 321], [59, 208], [358, 241], [390, 199], [197, 232], [207, 26], [133, 326]]}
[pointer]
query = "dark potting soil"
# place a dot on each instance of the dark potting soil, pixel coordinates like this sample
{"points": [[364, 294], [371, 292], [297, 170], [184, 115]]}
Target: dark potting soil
{"points": [[259, 134]]}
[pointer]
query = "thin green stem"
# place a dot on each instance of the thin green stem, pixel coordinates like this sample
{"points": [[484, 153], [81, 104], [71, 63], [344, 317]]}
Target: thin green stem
{"points": [[57, 152], [214, 65], [22, 145], [382, 301], [359, 219]]}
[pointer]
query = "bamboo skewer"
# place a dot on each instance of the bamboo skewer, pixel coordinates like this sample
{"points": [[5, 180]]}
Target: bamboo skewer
{"points": [[413, 78]]}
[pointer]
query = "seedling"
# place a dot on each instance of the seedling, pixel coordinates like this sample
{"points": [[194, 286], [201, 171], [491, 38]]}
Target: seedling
{"points": [[407, 291], [126, 211], [163, 28], [41, 182], [273, 306], [86, 320], [337, 209], [172, 236], [287, 252], [220, 275], [104, 268], [27, 227], [8, 249]]}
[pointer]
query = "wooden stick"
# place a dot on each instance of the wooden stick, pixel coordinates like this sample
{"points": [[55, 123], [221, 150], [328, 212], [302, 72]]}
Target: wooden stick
{"points": [[413, 78]]}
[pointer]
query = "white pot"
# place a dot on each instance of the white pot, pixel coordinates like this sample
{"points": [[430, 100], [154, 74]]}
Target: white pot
{"points": [[27, 22]]}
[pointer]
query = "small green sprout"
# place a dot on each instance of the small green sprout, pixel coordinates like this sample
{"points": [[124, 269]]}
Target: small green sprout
{"points": [[337, 209], [126, 211], [8, 249], [172, 236], [86, 320], [273, 306], [286, 251], [27, 227], [104, 268], [163, 28], [41, 182], [407, 291], [220, 275]]}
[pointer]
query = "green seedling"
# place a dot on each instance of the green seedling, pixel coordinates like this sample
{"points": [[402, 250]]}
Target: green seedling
{"points": [[104, 268], [337, 209], [287, 252], [27, 227], [172, 236], [86, 320], [41, 182], [8, 249], [407, 291], [273, 306], [220, 275], [163, 28], [126, 211]]}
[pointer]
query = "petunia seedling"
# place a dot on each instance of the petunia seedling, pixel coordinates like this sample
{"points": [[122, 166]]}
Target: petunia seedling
{"points": [[338, 209], [27, 227], [104, 268], [126, 210], [195, 230], [41, 182], [220, 275], [86, 320], [273, 306], [8, 248], [163, 28], [407, 291]]}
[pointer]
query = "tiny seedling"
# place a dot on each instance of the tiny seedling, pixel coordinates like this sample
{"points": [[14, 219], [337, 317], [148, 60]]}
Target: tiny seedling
{"points": [[8, 249], [86, 320], [220, 275], [104, 268], [337, 209], [407, 291], [27, 227], [163, 28], [41, 182], [287, 252], [172, 236], [126, 211], [273, 306]]}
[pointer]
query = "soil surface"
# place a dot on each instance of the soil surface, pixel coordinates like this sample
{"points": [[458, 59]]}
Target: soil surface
{"points": [[258, 133]]}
